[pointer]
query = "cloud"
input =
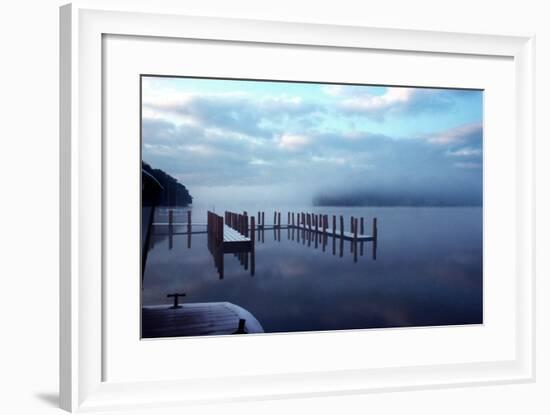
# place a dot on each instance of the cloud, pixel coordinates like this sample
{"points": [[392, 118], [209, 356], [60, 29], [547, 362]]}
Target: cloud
{"points": [[378, 104], [259, 162], [459, 135], [465, 152], [293, 142], [299, 144], [393, 101], [235, 112], [468, 165]]}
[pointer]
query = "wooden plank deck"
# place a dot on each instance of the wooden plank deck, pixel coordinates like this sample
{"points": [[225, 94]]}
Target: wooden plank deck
{"points": [[231, 235], [234, 241], [196, 319]]}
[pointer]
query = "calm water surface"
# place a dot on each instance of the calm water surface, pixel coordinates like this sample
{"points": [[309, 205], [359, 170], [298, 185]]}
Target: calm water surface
{"points": [[427, 271]]}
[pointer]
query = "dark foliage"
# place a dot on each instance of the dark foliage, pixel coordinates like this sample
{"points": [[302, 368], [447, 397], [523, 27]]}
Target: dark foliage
{"points": [[173, 193]]}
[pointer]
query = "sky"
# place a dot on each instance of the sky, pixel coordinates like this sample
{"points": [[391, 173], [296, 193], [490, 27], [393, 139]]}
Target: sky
{"points": [[283, 143]]}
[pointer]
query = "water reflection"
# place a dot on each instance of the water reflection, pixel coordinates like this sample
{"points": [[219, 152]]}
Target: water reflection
{"points": [[247, 258], [305, 280]]}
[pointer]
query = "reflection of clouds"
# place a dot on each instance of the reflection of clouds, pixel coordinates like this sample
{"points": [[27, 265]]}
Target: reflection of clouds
{"points": [[292, 268]]}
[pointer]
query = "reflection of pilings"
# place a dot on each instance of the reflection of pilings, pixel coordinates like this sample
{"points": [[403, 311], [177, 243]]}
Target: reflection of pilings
{"points": [[170, 229], [253, 252], [375, 236], [313, 228], [352, 224], [215, 240], [355, 226], [243, 224]]}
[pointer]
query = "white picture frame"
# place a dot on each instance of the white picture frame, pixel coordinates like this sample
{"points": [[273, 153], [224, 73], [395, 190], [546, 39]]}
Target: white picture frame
{"points": [[83, 28]]}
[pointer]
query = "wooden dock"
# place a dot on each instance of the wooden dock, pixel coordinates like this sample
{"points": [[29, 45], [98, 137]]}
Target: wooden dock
{"points": [[231, 234], [197, 319], [237, 232], [226, 237]]}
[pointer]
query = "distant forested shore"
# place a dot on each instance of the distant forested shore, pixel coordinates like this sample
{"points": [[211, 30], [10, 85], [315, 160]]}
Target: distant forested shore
{"points": [[381, 199], [174, 193]]}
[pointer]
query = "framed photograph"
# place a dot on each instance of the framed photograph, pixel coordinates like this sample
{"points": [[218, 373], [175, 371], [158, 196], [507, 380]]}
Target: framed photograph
{"points": [[260, 209], [345, 171]]}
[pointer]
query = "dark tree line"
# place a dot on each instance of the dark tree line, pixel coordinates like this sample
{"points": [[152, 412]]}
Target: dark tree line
{"points": [[174, 193]]}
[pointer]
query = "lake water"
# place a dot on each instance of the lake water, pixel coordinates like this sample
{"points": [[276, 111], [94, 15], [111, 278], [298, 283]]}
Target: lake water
{"points": [[428, 271]]}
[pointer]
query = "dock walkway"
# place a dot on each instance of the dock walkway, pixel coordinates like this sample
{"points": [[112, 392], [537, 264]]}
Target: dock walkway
{"points": [[234, 241]]}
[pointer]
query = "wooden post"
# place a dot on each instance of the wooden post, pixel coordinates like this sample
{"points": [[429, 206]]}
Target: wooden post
{"points": [[342, 227], [351, 223], [288, 219], [259, 219], [220, 231], [315, 220], [263, 219], [245, 224], [189, 221], [252, 230], [355, 231], [274, 218], [170, 217], [333, 225], [279, 217], [252, 263], [293, 219]]}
